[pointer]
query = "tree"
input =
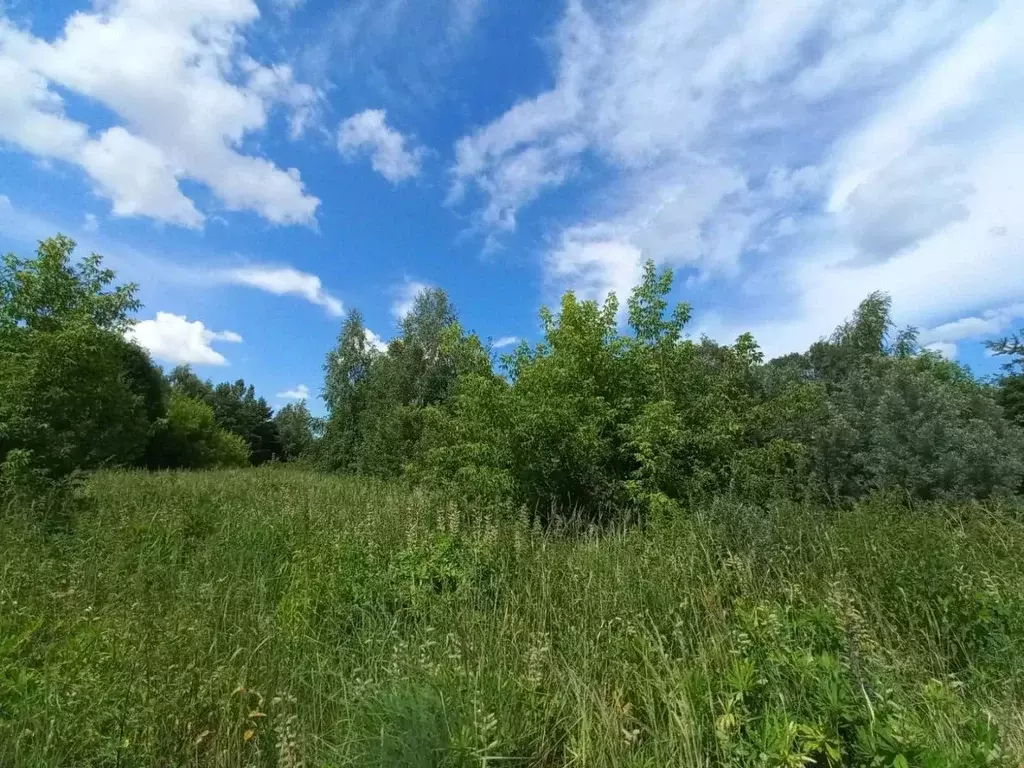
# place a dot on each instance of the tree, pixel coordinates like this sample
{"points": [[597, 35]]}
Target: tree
{"points": [[183, 380], [900, 419], [1011, 386], [189, 438], [236, 408], [49, 293], [346, 370], [74, 394], [295, 426], [377, 401]]}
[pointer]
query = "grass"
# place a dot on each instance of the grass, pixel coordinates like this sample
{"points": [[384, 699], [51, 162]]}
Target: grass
{"points": [[268, 617]]}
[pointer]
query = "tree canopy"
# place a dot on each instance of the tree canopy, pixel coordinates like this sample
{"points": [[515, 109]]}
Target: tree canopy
{"points": [[613, 412]]}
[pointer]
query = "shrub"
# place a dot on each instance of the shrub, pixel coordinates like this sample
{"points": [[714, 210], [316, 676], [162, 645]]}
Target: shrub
{"points": [[190, 438]]}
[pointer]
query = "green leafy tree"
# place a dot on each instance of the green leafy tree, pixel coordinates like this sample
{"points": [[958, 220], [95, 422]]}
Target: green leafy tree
{"points": [[900, 419], [74, 394], [50, 293], [346, 384], [295, 426], [1011, 386], [236, 408], [377, 402], [190, 438], [183, 380]]}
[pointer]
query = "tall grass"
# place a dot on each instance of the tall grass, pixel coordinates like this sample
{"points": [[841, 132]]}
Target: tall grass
{"points": [[267, 617]]}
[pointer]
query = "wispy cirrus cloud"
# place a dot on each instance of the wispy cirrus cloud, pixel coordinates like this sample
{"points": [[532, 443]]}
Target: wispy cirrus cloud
{"points": [[505, 341], [790, 157], [280, 281]]}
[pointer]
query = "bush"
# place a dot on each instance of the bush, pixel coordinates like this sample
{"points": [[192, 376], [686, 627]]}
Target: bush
{"points": [[64, 398], [190, 438], [74, 394], [600, 424]]}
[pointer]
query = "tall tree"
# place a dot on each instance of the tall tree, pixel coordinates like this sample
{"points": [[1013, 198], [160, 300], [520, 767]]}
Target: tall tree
{"points": [[295, 425], [346, 373], [74, 394], [1011, 385]]}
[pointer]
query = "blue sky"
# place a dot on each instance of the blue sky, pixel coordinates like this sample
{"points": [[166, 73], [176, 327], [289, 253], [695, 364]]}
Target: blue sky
{"points": [[262, 167]]}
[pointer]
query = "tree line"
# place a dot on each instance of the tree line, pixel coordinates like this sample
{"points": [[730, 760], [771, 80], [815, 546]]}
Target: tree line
{"points": [[602, 420], [615, 411], [76, 394]]}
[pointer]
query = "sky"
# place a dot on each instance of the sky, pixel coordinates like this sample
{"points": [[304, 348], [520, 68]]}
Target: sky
{"points": [[262, 167]]}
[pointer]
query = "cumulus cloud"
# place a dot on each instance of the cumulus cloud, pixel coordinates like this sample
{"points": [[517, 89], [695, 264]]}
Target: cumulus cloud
{"points": [[174, 339], [792, 156], [300, 392], [185, 97], [375, 341], [283, 281], [368, 133]]}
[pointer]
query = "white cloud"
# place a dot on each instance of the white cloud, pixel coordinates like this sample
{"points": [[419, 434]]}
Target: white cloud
{"points": [[282, 281], [174, 339], [792, 157], [595, 266], [945, 348], [505, 341], [170, 72], [368, 132], [136, 177], [90, 223], [405, 297], [375, 341], [992, 322], [300, 392]]}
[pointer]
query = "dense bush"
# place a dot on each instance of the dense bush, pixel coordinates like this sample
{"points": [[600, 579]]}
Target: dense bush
{"points": [[74, 394], [601, 423], [236, 408], [189, 437], [612, 414], [296, 429]]}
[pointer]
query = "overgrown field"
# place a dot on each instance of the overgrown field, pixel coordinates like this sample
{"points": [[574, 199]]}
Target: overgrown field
{"points": [[268, 617]]}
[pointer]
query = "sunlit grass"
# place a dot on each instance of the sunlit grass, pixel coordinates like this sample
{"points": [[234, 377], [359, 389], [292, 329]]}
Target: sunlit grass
{"points": [[269, 617]]}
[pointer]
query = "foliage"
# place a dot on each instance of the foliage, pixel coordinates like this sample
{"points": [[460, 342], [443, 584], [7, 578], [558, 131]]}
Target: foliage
{"points": [[236, 408], [50, 293], [1010, 394], [264, 617], [296, 430], [189, 437], [595, 422], [902, 420], [378, 402], [74, 394]]}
